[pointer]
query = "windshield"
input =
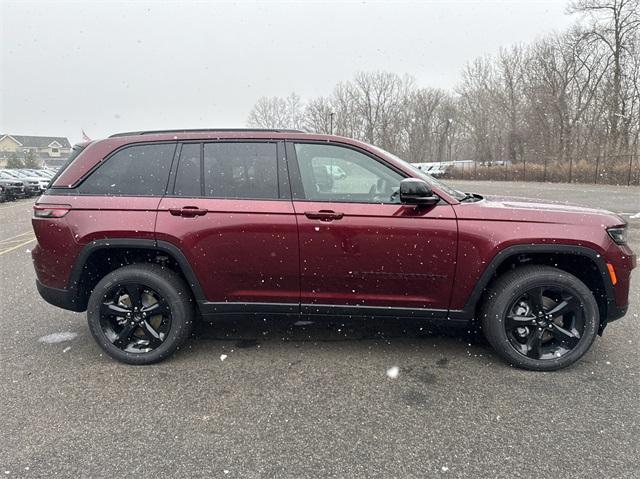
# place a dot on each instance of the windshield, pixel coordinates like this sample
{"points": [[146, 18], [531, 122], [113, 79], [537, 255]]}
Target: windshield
{"points": [[458, 195]]}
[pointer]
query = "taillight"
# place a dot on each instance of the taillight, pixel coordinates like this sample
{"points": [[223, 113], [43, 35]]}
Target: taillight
{"points": [[50, 211]]}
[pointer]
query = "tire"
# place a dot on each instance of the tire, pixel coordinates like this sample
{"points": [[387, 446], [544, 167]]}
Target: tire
{"points": [[540, 342], [120, 328]]}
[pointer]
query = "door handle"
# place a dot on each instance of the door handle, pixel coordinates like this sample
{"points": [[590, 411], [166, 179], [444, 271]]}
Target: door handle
{"points": [[324, 215], [188, 211]]}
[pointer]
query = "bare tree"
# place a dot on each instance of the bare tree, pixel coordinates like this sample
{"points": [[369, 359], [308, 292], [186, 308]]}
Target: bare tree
{"points": [[277, 112], [568, 95], [615, 23], [318, 116]]}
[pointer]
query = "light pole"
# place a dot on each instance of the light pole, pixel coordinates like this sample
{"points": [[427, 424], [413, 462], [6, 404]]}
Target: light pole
{"points": [[331, 123]]}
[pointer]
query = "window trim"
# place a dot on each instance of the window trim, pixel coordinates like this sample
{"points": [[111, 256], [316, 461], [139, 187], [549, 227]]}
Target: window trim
{"points": [[297, 187], [283, 183], [74, 191], [173, 176]]}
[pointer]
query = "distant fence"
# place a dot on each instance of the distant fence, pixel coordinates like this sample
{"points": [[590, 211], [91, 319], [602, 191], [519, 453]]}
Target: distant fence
{"points": [[611, 170]]}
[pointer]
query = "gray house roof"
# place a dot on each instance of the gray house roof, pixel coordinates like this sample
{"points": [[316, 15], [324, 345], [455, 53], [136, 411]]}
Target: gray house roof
{"points": [[38, 141]]}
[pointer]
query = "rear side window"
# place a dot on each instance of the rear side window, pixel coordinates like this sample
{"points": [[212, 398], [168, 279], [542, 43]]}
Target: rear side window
{"points": [[188, 176], [241, 170], [228, 170], [141, 170]]}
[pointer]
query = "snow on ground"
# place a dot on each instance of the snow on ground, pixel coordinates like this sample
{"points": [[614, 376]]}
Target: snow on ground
{"points": [[57, 337], [393, 372]]}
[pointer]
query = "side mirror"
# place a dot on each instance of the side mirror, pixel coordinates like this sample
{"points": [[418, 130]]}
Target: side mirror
{"points": [[416, 192]]}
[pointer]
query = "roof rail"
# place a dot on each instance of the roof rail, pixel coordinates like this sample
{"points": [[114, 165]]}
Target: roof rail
{"points": [[203, 130]]}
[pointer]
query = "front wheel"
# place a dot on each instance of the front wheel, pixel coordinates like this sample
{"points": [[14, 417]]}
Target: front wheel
{"points": [[540, 318], [140, 314]]}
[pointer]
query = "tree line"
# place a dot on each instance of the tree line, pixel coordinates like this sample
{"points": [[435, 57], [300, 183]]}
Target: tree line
{"points": [[571, 94]]}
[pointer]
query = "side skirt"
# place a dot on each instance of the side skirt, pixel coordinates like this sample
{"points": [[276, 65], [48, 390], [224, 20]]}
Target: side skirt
{"points": [[214, 311]]}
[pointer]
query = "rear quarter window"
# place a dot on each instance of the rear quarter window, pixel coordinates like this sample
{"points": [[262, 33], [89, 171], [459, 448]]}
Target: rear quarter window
{"points": [[139, 170]]}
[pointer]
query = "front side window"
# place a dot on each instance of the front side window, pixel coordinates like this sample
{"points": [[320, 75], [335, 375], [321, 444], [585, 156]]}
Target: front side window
{"points": [[141, 170], [241, 170], [336, 173]]}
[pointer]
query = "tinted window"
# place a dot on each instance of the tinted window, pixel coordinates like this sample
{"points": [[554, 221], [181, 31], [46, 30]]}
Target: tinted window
{"points": [[241, 170], [188, 182], [335, 173], [134, 171]]}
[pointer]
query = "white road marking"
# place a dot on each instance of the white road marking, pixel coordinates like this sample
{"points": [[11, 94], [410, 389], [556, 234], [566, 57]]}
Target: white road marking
{"points": [[13, 238], [13, 248]]}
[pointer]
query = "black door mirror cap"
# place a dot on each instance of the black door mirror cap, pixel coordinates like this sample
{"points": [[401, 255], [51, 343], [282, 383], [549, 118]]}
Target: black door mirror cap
{"points": [[414, 191]]}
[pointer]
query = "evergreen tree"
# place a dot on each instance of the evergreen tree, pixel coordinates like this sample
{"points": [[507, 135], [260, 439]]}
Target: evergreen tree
{"points": [[14, 161], [30, 160]]}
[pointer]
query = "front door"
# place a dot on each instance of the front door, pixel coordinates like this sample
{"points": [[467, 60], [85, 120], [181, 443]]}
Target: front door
{"points": [[361, 248]]}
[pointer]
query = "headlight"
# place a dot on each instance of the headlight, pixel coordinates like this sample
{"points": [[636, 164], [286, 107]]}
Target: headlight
{"points": [[618, 234]]}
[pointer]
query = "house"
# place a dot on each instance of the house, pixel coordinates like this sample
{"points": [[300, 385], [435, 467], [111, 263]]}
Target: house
{"points": [[50, 150]]}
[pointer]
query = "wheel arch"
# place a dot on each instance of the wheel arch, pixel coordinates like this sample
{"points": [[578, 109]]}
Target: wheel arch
{"points": [[584, 263], [99, 257]]}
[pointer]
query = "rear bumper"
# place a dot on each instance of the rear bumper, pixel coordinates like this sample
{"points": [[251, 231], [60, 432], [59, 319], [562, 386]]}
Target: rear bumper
{"points": [[62, 298]]}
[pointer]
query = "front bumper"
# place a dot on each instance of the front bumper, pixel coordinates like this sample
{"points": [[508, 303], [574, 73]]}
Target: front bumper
{"points": [[615, 312], [15, 192]]}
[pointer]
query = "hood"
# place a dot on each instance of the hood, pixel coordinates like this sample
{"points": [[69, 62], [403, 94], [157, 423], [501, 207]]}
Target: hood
{"points": [[545, 211]]}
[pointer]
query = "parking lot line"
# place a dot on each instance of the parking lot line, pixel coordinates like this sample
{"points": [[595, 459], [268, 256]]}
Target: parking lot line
{"points": [[8, 250], [14, 238]]}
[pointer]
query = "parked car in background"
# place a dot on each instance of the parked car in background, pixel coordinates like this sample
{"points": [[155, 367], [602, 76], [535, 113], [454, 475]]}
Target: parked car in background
{"points": [[14, 188], [435, 169], [36, 175], [149, 231], [33, 185], [43, 173], [3, 197]]}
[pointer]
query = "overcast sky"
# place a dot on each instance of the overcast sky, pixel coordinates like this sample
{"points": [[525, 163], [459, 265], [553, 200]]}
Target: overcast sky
{"points": [[108, 66]]}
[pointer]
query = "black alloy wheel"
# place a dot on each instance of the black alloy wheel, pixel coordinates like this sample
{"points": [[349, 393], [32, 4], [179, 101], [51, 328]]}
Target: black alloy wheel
{"points": [[546, 322], [135, 318], [540, 317]]}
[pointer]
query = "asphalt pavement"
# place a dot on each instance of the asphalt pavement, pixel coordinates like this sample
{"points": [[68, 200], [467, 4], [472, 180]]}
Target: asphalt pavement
{"points": [[310, 400]]}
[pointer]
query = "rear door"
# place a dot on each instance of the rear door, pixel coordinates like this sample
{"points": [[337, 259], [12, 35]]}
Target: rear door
{"points": [[361, 251], [229, 211]]}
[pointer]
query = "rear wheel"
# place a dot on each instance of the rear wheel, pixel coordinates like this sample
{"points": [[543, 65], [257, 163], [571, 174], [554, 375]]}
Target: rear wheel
{"points": [[540, 318], [140, 314]]}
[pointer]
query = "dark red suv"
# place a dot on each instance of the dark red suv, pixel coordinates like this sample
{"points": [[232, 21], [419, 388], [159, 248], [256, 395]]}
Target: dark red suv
{"points": [[148, 231]]}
